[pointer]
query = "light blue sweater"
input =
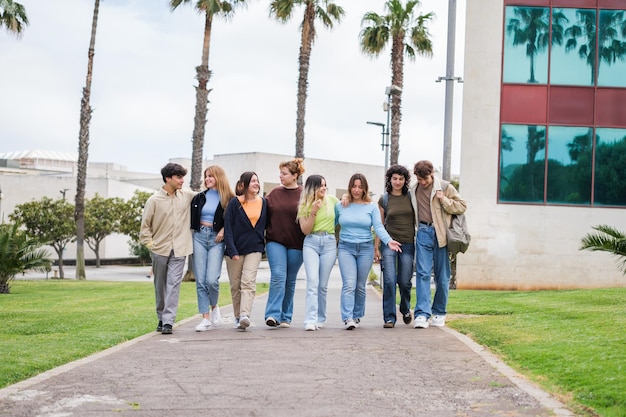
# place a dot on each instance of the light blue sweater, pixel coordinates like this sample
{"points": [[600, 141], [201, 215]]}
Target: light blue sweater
{"points": [[356, 223]]}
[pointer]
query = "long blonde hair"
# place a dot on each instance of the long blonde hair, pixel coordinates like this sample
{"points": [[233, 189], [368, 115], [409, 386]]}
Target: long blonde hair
{"points": [[309, 194], [221, 183]]}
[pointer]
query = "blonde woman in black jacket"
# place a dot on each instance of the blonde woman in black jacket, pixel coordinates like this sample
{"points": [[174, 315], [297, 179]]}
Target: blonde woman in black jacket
{"points": [[207, 222]]}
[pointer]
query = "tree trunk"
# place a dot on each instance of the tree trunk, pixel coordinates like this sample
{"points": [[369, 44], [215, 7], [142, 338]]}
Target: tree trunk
{"points": [[397, 79], [83, 154], [202, 95], [59, 252], [308, 34]]}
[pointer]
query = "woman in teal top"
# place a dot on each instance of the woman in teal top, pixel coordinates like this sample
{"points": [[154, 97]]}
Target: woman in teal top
{"points": [[356, 247], [316, 215]]}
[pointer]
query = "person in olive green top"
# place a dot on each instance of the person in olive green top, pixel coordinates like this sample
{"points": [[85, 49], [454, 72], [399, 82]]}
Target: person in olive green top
{"points": [[396, 210], [316, 215]]}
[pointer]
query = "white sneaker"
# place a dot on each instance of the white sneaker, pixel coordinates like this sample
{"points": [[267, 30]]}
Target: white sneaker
{"points": [[357, 323], [321, 325], [438, 321], [244, 322], [237, 325], [420, 322], [203, 326], [216, 316], [350, 324], [309, 327], [284, 325]]}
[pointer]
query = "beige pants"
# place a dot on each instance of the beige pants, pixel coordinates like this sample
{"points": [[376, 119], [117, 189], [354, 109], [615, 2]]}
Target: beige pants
{"points": [[242, 277]]}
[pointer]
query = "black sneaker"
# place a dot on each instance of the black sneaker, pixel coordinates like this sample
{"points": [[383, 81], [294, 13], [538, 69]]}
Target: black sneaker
{"points": [[159, 326], [167, 329], [406, 318]]}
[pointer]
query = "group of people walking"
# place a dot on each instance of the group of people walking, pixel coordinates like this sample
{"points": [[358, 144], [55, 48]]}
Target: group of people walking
{"points": [[295, 225]]}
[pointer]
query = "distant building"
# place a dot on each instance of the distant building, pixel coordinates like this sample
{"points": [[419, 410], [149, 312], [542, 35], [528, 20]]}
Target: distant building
{"points": [[544, 142], [31, 175]]}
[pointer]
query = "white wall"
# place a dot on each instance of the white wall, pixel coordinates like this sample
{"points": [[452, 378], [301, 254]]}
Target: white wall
{"points": [[515, 246]]}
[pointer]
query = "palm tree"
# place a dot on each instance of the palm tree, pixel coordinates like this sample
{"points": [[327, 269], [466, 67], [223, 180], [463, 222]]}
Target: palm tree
{"points": [[610, 48], [19, 253], [210, 8], [609, 240], [531, 27], [83, 152], [408, 35], [13, 16], [327, 13]]}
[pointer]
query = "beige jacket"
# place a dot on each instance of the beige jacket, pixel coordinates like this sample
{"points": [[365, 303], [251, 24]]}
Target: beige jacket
{"points": [[166, 223], [452, 203]]}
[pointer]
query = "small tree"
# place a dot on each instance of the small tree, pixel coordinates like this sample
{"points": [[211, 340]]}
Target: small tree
{"points": [[49, 221], [102, 218], [18, 254], [131, 223], [609, 240]]}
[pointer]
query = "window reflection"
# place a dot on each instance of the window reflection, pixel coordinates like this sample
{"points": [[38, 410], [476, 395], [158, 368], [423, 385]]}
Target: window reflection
{"points": [[610, 167], [572, 56], [526, 44], [569, 165], [612, 52], [522, 159]]}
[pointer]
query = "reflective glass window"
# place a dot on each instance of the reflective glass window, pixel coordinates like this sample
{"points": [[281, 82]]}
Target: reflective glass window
{"points": [[612, 51], [569, 165], [526, 39], [522, 163], [610, 167], [572, 56]]}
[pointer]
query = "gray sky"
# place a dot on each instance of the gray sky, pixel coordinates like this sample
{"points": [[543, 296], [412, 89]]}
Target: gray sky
{"points": [[143, 95]]}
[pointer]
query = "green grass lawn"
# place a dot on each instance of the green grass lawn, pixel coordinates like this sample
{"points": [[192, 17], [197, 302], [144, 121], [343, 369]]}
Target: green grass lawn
{"points": [[46, 324], [572, 343]]}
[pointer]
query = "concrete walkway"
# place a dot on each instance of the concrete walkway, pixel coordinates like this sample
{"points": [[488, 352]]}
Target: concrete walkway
{"points": [[370, 371]]}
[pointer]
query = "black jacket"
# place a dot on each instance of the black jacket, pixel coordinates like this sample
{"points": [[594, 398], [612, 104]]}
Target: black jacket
{"points": [[196, 211]]}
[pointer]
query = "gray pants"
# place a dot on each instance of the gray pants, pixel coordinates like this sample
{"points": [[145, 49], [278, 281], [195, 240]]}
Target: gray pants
{"points": [[168, 274]]}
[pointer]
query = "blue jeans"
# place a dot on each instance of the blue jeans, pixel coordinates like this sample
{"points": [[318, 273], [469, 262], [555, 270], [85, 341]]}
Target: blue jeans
{"points": [[397, 268], [319, 253], [355, 263], [207, 267], [428, 256], [284, 266]]}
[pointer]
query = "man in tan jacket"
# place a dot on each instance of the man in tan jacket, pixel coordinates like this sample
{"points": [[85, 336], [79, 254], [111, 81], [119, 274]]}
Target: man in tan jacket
{"points": [[166, 231], [435, 200]]}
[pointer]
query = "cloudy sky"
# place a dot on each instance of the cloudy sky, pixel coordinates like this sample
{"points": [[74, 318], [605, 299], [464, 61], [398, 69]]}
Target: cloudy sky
{"points": [[143, 95]]}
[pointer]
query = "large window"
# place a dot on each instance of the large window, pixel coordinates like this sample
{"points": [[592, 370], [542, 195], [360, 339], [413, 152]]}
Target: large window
{"points": [[563, 117]]}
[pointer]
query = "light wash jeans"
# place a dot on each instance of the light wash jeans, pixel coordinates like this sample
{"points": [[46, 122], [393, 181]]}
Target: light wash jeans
{"points": [[284, 266], [319, 254], [429, 255], [397, 268], [355, 262], [206, 264]]}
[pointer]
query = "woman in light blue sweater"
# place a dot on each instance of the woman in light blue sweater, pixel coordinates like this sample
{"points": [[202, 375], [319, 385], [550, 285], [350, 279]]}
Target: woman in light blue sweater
{"points": [[356, 247]]}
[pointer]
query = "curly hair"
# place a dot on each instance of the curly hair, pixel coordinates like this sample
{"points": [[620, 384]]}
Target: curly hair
{"points": [[400, 170]]}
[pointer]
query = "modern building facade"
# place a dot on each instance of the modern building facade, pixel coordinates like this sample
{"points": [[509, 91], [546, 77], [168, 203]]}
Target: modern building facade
{"points": [[544, 141]]}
